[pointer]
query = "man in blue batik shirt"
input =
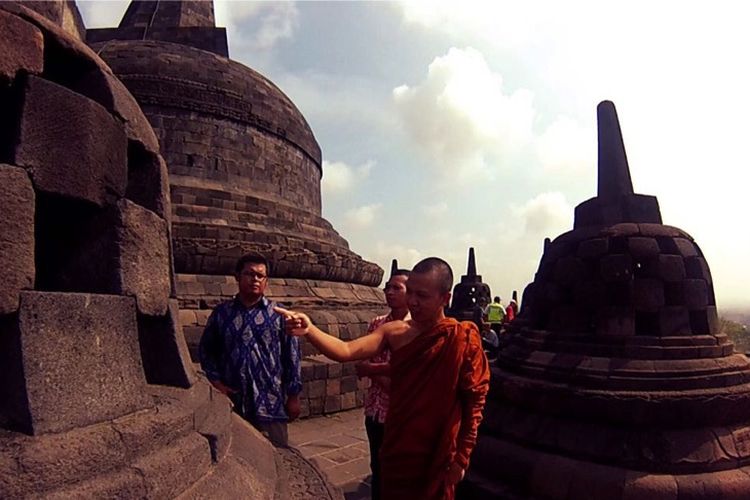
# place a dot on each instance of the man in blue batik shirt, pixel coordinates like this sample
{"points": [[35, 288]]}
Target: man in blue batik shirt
{"points": [[247, 355]]}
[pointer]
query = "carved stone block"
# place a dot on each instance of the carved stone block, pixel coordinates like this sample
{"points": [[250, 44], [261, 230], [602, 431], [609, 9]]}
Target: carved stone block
{"points": [[16, 236], [617, 267], [648, 295], [106, 89], [81, 359], [613, 320], [57, 147], [696, 293], [143, 246], [686, 247], [641, 248], [671, 268], [593, 248], [674, 321], [21, 45]]}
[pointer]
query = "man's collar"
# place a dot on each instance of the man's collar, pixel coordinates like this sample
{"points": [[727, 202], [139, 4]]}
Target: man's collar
{"points": [[262, 302]]}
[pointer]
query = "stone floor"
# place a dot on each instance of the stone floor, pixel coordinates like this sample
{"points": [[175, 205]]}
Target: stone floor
{"points": [[337, 444]]}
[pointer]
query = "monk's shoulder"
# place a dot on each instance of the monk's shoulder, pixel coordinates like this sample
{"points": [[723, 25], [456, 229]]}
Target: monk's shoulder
{"points": [[396, 327], [469, 330]]}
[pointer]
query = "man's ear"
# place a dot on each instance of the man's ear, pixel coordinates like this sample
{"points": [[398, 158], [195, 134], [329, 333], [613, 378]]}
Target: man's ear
{"points": [[447, 299]]}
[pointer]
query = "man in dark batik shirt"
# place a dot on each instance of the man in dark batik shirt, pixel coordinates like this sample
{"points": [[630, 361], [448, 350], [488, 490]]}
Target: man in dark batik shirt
{"points": [[247, 356]]}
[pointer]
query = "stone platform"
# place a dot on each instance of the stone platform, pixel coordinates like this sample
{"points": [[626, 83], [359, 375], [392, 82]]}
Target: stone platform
{"points": [[337, 445]]}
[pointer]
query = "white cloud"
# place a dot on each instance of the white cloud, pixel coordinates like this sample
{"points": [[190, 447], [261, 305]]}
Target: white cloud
{"points": [[257, 26], [102, 14], [547, 214], [362, 217], [436, 210], [567, 148], [505, 23], [339, 178], [461, 117], [384, 253]]}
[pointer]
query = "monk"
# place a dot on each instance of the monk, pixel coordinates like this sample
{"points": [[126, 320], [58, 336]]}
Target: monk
{"points": [[439, 380]]}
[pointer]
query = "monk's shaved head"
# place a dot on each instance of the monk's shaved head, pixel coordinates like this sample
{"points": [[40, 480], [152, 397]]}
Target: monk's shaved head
{"points": [[440, 268]]}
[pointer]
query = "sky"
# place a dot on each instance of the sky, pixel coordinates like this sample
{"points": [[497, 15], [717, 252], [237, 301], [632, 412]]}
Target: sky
{"points": [[448, 124]]}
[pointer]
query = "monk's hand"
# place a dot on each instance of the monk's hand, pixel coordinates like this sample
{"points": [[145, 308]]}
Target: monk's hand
{"points": [[454, 475], [296, 323]]}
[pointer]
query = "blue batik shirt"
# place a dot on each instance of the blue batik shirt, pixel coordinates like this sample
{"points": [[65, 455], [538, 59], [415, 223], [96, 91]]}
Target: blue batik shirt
{"points": [[247, 349]]}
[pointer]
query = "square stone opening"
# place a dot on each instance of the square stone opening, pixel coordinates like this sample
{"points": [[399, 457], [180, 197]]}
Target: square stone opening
{"points": [[72, 251], [14, 412], [147, 180], [647, 323], [10, 103]]}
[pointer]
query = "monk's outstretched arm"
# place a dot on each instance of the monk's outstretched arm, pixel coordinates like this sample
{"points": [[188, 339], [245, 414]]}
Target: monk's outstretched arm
{"points": [[299, 324], [474, 385]]}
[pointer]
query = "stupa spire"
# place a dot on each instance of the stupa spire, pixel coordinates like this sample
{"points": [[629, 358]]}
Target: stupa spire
{"points": [[614, 172], [471, 268], [616, 202], [394, 267], [186, 22], [173, 14]]}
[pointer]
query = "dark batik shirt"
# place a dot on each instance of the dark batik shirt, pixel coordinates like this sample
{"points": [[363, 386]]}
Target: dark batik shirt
{"points": [[247, 350]]}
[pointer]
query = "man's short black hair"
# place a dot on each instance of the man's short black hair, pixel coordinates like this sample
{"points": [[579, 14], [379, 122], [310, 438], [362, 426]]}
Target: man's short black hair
{"points": [[400, 272], [497, 299], [251, 258], [439, 266]]}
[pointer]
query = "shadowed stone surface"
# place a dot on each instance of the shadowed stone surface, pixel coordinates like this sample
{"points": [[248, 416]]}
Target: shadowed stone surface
{"points": [[616, 381], [16, 236], [165, 354]]}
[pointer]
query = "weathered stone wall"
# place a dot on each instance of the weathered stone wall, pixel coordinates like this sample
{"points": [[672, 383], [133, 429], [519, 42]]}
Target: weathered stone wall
{"points": [[236, 156]]}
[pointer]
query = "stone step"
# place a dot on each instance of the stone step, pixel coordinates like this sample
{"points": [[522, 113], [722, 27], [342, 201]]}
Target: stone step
{"points": [[54, 460], [164, 473]]}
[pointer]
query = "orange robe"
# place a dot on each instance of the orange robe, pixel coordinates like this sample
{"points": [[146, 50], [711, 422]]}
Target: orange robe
{"points": [[439, 382]]}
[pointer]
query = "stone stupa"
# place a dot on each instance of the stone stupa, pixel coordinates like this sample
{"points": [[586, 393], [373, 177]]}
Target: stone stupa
{"points": [[616, 381], [98, 397], [469, 294], [244, 173]]}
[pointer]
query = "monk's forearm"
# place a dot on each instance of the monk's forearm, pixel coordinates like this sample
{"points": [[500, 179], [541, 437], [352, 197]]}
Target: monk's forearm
{"points": [[467, 432], [328, 345]]}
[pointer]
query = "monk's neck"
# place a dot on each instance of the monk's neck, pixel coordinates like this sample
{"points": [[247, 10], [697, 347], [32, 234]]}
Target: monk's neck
{"points": [[399, 314], [429, 325]]}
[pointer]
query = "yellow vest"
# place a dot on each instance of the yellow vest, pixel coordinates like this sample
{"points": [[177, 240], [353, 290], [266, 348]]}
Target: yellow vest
{"points": [[495, 313]]}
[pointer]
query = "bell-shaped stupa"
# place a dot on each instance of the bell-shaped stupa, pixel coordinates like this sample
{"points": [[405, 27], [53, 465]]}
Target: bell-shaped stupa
{"points": [[616, 381], [470, 295]]}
